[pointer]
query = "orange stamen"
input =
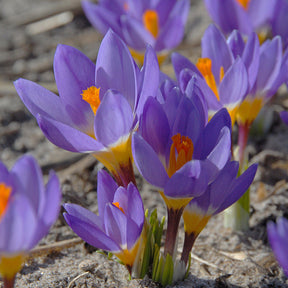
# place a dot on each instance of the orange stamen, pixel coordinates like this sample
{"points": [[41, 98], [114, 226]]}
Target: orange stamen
{"points": [[184, 147], [204, 65], [116, 204], [150, 21], [91, 96], [5, 192], [126, 6], [244, 3], [221, 73]]}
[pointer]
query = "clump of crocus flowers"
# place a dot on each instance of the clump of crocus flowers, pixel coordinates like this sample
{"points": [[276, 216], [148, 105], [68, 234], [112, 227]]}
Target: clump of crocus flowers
{"points": [[241, 76], [178, 134], [122, 114]]}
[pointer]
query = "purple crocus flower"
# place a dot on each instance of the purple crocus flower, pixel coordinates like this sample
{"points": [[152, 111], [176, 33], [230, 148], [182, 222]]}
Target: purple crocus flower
{"points": [[224, 73], [271, 74], [279, 23], [239, 76], [119, 226], [220, 194], [159, 23], [27, 211], [99, 106], [247, 16], [278, 238], [177, 153]]}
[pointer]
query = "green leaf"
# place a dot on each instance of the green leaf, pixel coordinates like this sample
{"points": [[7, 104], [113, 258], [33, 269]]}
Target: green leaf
{"points": [[167, 276], [155, 261], [189, 265], [159, 270]]}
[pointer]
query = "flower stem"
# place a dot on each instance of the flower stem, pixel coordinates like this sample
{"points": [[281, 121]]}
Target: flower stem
{"points": [[187, 246], [242, 143], [236, 216], [125, 175], [174, 217], [9, 282]]}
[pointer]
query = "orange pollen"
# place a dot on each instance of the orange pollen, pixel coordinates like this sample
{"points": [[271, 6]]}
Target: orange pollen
{"points": [[125, 6], [150, 21], [91, 96], [183, 145], [244, 3], [204, 65], [116, 204], [221, 73], [5, 192]]}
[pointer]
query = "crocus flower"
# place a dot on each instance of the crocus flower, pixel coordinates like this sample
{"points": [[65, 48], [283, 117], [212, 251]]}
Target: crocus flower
{"points": [[220, 194], [247, 16], [99, 106], [119, 226], [27, 211], [278, 238], [279, 23], [224, 73], [271, 74], [157, 23], [177, 153]]}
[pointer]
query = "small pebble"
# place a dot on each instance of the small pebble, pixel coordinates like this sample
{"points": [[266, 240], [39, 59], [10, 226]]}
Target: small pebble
{"points": [[87, 265]]}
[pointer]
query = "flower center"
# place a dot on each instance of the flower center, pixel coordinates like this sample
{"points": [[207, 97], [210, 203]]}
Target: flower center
{"points": [[5, 192], [91, 96], [184, 147], [150, 21], [244, 3], [116, 204], [204, 65]]}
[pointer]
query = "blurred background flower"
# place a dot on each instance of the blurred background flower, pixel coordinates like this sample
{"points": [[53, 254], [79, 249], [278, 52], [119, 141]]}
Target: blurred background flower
{"points": [[160, 24], [278, 238], [27, 211]]}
